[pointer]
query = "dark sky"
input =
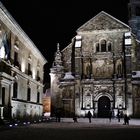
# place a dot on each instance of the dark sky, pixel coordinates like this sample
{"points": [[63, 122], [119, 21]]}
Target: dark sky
{"points": [[48, 22]]}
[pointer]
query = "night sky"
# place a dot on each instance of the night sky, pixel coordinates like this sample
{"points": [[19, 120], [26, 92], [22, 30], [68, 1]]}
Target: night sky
{"points": [[49, 22]]}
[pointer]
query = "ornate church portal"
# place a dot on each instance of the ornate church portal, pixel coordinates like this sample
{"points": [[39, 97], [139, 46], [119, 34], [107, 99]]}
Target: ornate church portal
{"points": [[99, 70], [103, 106]]}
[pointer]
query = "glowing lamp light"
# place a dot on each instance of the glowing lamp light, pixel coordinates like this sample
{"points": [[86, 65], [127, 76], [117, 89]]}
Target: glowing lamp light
{"points": [[52, 77], [10, 125], [2, 52], [16, 124], [23, 66], [33, 73]]}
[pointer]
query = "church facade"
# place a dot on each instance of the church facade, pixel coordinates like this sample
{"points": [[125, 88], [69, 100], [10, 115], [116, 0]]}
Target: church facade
{"points": [[21, 72], [100, 70]]}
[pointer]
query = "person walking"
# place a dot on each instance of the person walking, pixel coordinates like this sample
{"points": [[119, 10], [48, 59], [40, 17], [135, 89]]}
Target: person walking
{"points": [[58, 115], [110, 115], [126, 119], [119, 116], [75, 118], [89, 115]]}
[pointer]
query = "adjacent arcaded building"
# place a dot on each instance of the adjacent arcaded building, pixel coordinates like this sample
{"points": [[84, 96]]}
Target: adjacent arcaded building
{"points": [[100, 70], [21, 71]]}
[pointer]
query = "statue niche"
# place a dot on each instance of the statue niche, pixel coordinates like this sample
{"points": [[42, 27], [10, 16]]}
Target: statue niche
{"points": [[87, 68], [119, 70]]}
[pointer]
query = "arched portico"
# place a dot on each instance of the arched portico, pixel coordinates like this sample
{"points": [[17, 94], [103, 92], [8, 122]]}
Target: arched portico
{"points": [[103, 104]]}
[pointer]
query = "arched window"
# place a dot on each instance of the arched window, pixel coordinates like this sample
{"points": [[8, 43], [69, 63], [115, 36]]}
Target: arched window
{"points": [[103, 46], [15, 86]]}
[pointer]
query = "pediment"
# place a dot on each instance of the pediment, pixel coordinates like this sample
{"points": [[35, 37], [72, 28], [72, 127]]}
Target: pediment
{"points": [[103, 21]]}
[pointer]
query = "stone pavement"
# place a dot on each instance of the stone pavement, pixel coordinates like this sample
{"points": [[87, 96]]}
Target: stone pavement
{"points": [[103, 121], [98, 129], [83, 123]]}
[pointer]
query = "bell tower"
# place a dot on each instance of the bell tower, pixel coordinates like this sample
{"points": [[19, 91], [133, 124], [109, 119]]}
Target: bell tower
{"points": [[134, 17]]}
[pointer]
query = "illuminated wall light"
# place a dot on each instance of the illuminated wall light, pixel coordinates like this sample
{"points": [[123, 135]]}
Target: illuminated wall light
{"points": [[2, 52], [52, 78], [34, 76], [23, 66]]}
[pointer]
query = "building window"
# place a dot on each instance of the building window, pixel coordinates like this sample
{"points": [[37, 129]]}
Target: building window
{"points": [[103, 46], [3, 95], [38, 77], [15, 86], [109, 47], [16, 63], [29, 69], [29, 94], [97, 47], [38, 97]]}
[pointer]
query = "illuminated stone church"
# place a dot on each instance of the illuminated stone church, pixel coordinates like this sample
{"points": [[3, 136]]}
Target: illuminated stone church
{"points": [[100, 70]]}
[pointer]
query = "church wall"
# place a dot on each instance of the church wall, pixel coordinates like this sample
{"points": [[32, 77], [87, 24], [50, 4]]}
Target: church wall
{"points": [[55, 90], [90, 57], [136, 99], [67, 56], [68, 101]]}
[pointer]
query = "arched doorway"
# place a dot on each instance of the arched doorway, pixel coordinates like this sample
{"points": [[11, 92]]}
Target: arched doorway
{"points": [[103, 106]]}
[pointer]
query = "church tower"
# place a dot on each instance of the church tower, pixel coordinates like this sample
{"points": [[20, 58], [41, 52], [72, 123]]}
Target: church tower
{"points": [[56, 73], [134, 17]]}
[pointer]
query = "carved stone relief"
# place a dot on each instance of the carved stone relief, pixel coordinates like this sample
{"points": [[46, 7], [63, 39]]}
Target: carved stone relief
{"points": [[103, 68], [87, 98]]}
